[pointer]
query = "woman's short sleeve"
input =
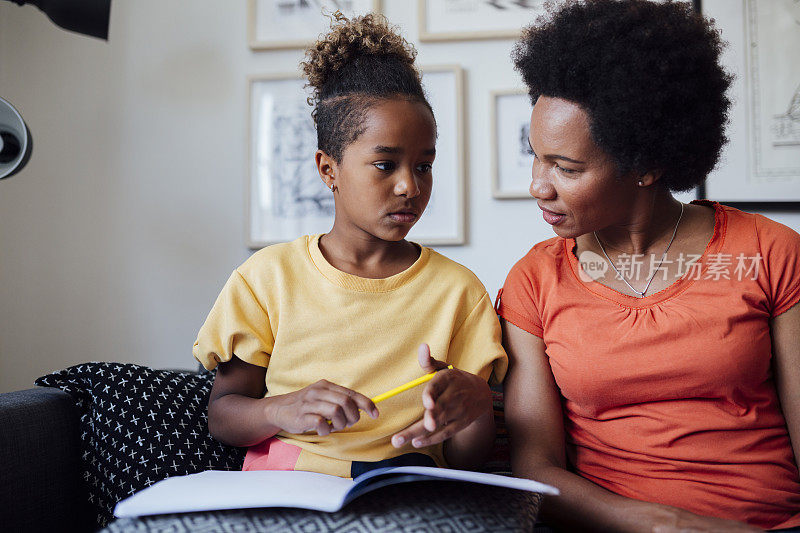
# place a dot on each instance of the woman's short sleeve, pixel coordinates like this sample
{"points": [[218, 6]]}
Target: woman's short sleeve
{"points": [[237, 324], [516, 301], [780, 247]]}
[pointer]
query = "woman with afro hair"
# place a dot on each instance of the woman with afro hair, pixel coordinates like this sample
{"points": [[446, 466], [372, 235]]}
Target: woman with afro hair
{"points": [[654, 346]]}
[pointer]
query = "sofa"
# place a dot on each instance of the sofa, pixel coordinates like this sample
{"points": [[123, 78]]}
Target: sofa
{"points": [[87, 436]]}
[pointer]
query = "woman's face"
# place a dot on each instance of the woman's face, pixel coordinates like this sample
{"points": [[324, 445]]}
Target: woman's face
{"points": [[574, 182], [384, 179]]}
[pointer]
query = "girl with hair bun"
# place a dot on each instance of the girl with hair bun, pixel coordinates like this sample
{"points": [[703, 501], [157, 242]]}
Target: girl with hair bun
{"points": [[304, 333]]}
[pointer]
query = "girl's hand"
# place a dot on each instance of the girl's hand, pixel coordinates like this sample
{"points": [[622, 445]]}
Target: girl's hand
{"points": [[311, 408], [452, 400]]}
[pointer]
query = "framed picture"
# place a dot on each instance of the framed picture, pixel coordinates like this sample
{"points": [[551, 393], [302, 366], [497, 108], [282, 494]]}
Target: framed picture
{"points": [[286, 197], [511, 156], [443, 222], [454, 20], [761, 162], [281, 24], [459, 20]]}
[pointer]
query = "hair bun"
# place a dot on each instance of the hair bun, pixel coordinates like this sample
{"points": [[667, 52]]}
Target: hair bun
{"points": [[349, 40]]}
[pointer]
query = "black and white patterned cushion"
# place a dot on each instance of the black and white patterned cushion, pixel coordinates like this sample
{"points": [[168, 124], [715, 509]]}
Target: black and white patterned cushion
{"points": [[138, 426], [433, 506]]}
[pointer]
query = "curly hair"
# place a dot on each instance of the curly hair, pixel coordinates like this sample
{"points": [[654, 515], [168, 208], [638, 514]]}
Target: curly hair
{"points": [[647, 74], [354, 66]]}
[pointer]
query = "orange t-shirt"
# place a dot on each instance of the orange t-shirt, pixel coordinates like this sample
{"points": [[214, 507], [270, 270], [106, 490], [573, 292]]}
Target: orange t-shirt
{"points": [[670, 398]]}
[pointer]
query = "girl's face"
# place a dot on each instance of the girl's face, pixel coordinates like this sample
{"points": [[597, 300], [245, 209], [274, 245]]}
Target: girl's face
{"points": [[384, 179], [574, 182]]}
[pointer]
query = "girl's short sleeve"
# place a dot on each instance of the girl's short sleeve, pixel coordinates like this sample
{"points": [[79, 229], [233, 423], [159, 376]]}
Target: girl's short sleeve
{"points": [[516, 301], [237, 324], [780, 247], [476, 345]]}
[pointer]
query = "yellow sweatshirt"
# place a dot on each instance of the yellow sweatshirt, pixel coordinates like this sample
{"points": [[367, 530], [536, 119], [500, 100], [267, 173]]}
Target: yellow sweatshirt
{"points": [[289, 310]]}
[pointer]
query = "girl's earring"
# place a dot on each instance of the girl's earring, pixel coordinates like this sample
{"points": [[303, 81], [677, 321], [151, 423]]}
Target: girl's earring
{"points": [[641, 183]]}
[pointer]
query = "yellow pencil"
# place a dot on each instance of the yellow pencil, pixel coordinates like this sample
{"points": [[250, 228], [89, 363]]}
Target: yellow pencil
{"points": [[402, 388]]}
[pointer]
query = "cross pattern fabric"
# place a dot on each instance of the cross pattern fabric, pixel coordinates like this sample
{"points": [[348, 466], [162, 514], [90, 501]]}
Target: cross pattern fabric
{"points": [[138, 426]]}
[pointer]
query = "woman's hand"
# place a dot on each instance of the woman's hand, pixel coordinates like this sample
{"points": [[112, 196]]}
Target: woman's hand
{"points": [[311, 408], [453, 399], [665, 519]]}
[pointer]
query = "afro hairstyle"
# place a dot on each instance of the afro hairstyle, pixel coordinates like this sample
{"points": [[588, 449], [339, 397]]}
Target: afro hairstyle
{"points": [[647, 74]]}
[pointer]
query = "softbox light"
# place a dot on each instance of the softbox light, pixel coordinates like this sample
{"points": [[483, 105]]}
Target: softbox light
{"points": [[88, 17]]}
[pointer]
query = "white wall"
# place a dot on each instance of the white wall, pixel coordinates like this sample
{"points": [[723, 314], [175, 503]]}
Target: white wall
{"points": [[117, 236]]}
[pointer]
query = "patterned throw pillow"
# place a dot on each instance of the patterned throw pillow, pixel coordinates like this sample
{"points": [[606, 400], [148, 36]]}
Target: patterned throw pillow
{"points": [[499, 460], [138, 426]]}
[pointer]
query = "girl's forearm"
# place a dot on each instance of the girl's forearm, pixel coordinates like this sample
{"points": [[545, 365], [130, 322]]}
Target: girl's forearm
{"points": [[241, 421]]}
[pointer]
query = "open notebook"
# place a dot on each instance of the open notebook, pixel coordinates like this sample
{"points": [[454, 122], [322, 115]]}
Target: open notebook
{"points": [[218, 489]]}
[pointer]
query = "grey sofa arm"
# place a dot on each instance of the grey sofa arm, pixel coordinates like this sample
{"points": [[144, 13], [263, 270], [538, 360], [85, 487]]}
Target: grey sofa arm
{"points": [[40, 484]]}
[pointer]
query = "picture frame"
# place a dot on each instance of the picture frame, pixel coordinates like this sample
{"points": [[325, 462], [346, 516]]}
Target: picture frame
{"points": [[285, 197], [444, 220], [459, 20], [510, 112], [760, 165], [287, 24]]}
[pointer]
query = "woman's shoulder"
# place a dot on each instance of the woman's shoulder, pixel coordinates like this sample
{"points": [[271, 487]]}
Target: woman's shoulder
{"points": [[778, 251], [768, 233], [553, 247], [773, 231], [544, 257], [544, 265]]}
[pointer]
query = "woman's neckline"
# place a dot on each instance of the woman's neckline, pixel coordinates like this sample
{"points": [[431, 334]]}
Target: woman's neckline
{"points": [[681, 284], [358, 283]]}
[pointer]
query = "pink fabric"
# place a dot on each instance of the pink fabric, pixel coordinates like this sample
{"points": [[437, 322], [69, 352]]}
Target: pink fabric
{"points": [[271, 454]]}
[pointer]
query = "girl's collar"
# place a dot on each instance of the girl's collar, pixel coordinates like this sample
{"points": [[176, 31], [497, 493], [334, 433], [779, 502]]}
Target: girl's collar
{"points": [[357, 283]]}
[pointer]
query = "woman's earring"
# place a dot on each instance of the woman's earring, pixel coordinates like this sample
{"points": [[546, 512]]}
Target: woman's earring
{"points": [[641, 183], [333, 187]]}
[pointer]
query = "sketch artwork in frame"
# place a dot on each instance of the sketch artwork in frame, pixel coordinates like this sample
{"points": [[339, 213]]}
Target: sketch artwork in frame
{"points": [[282, 24], [454, 20], [443, 221], [761, 162], [512, 159], [286, 198]]}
